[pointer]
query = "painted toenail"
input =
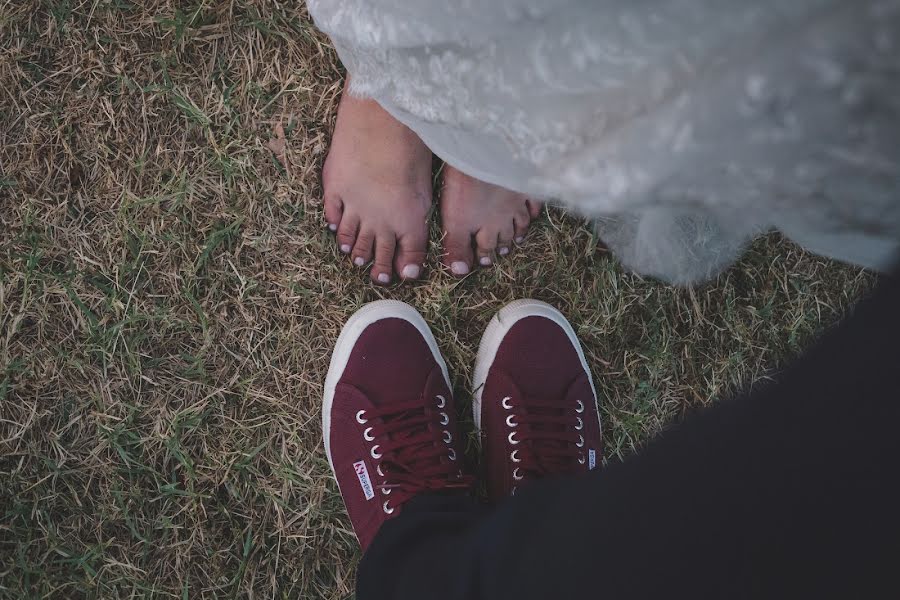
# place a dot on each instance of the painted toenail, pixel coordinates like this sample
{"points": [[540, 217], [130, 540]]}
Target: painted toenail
{"points": [[504, 251], [520, 239], [384, 278], [484, 261], [358, 261], [345, 248], [332, 227], [411, 272], [459, 268]]}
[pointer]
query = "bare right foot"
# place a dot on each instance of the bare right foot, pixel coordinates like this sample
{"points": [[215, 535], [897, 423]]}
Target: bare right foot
{"points": [[479, 215], [377, 181]]}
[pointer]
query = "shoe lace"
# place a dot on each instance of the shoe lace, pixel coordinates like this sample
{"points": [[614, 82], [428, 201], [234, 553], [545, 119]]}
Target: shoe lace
{"points": [[546, 438], [414, 451]]}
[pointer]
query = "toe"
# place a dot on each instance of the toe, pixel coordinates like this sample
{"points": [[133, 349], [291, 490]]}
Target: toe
{"points": [[334, 210], [410, 255], [486, 240], [534, 208], [362, 251], [385, 244], [521, 221], [505, 238], [346, 233], [458, 251]]}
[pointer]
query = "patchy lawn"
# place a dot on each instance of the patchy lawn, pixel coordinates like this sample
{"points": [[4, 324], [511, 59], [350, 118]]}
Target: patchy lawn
{"points": [[169, 298]]}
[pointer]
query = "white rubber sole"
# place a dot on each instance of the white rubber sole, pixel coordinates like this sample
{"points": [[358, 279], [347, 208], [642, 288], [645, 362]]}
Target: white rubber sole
{"points": [[495, 333], [353, 329]]}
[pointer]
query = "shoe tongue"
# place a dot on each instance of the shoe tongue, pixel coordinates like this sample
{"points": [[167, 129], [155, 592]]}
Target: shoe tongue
{"points": [[435, 386], [566, 394], [426, 397], [355, 396], [580, 389]]}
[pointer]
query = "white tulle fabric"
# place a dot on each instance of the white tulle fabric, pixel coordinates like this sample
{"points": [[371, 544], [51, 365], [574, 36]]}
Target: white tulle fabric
{"points": [[686, 127]]}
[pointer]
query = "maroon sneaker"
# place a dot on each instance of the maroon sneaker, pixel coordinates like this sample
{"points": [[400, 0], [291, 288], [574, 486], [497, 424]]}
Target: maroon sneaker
{"points": [[388, 418], [535, 403]]}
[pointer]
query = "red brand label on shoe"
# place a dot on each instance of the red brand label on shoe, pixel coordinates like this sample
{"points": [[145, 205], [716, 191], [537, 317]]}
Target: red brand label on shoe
{"points": [[365, 483]]}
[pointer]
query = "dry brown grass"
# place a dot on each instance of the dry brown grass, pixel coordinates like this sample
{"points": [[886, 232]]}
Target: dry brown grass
{"points": [[168, 302]]}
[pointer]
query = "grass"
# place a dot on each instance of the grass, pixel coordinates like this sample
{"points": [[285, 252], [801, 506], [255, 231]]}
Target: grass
{"points": [[169, 298]]}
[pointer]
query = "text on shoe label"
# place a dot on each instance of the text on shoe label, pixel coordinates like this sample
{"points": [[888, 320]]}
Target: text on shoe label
{"points": [[365, 483], [592, 460]]}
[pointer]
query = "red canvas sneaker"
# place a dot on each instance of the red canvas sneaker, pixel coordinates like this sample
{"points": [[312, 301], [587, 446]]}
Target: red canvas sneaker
{"points": [[388, 417], [535, 404]]}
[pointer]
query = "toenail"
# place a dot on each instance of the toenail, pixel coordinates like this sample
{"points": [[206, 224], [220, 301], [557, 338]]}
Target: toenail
{"points": [[358, 261], [484, 261], [520, 239], [345, 248], [504, 251], [411, 272], [459, 268], [332, 227], [384, 278]]}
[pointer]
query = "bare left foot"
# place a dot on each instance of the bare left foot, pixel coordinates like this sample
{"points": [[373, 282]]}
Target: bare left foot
{"points": [[479, 215], [377, 181]]}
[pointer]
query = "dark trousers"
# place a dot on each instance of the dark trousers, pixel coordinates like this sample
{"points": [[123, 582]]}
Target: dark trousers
{"points": [[792, 491]]}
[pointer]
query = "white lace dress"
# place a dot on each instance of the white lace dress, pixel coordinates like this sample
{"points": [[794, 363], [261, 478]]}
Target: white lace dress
{"points": [[685, 126]]}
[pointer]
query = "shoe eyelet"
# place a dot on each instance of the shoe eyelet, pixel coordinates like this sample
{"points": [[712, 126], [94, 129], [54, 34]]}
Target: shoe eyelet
{"points": [[379, 471], [513, 491], [360, 419], [442, 402], [506, 403], [580, 425], [510, 438], [510, 422], [367, 435], [375, 455], [452, 454], [581, 460], [580, 443], [517, 474], [580, 408], [445, 418], [447, 437], [386, 491], [387, 510], [514, 456]]}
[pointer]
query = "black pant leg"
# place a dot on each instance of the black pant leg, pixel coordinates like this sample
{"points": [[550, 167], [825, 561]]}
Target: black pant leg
{"points": [[435, 531], [792, 491]]}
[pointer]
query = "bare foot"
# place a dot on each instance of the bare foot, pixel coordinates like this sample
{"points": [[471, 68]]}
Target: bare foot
{"points": [[491, 215], [377, 181]]}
